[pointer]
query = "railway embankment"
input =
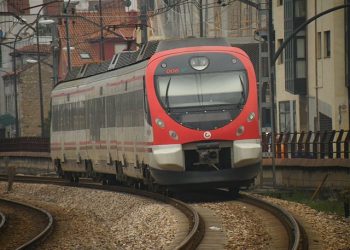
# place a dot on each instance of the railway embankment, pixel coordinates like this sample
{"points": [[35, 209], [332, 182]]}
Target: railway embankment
{"points": [[96, 219], [289, 173], [305, 173]]}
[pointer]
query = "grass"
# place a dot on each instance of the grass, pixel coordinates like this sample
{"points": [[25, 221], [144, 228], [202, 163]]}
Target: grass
{"points": [[327, 201]]}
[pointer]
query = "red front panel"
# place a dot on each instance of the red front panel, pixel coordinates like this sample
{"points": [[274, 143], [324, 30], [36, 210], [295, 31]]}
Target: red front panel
{"points": [[187, 135]]}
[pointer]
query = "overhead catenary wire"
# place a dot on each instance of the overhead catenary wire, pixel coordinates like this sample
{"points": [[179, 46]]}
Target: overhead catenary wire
{"points": [[186, 16]]}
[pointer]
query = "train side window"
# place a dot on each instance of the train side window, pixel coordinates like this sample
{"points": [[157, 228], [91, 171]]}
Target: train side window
{"points": [[145, 103]]}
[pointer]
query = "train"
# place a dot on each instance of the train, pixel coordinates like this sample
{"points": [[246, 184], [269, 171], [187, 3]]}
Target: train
{"points": [[180, 112]]}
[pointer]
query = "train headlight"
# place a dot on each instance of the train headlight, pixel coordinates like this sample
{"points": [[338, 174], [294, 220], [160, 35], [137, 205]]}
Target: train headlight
{"points": [[251, 117], [199, 62], [160, 123], [173, 135], [240, 130]]}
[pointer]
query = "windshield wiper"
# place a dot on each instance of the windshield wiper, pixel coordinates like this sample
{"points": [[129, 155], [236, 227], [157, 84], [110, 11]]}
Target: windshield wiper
{"points": [[167, 96], [243, 97]]}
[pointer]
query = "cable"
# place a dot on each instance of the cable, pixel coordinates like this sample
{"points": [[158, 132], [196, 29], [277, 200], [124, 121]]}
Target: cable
{"points": [[183, 16]]}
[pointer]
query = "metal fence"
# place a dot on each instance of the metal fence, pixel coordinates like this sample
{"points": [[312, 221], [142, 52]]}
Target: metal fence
{"points": [[314, 145]]}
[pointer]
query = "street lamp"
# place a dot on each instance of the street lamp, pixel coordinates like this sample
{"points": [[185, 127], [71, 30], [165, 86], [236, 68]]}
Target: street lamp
{"points": [[66, 48], [32, 61], [46, 21]]}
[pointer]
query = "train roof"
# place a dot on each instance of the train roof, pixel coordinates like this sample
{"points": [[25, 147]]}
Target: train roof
{"points": [[127, 58]]}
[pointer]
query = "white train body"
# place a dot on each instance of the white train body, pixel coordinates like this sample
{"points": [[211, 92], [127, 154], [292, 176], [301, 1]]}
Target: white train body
{"points": [[128, 124]]}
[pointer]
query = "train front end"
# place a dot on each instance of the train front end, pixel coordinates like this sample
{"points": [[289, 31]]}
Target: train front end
{"points": [[204, 116]]}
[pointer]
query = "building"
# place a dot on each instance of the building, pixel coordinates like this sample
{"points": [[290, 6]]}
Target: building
{"points": [[210, 19], [19, 82], [13, 36], [82, 41], [312, 85], [238, 21]]}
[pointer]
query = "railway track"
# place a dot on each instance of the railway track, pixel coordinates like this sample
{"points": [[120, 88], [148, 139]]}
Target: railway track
{"points": [[23, 226], [285, 231], [195, 231], [297, 237], [284, 224]]}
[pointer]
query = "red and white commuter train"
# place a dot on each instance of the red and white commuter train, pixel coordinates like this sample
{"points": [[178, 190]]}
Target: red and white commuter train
{"points": [[183, 112]]}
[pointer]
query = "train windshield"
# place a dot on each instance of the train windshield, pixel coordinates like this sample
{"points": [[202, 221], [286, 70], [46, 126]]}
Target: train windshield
{"points": [[202, 90]]}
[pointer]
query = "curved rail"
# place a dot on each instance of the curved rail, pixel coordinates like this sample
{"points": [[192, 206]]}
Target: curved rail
{"points": [[2, 221], [32, 179], [296, 234], [41, 236], [196, 227], [196, 223]]}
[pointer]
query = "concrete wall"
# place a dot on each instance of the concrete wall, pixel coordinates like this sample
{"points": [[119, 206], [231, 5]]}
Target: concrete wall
{"points": [[28, 165], [306, 173]]}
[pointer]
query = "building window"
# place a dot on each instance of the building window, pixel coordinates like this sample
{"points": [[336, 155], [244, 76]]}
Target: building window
{"points": [[279, 2], [325, 122], [300, 8], [301, 69], [85, 55], [120, 47], [295, 52], [9, 104], [300, 48], [318, 45], [327, 44], [44, 30], [300, 64], [287, 116], [280, 58]]}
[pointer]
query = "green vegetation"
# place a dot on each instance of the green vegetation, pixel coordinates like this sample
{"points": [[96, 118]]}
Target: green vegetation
{"points": [[327, 201]]}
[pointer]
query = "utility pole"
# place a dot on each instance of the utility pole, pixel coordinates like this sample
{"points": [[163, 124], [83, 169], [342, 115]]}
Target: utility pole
{"points": [[201, 18], [40, 79], [143, 18], [15, 89], [55, 48], [347, 47], [67, 35], [271, 45], [102, 49]]}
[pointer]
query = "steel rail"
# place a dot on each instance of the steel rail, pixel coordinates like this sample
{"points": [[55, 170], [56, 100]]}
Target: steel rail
{"points": [[196, 227], [44, 233], [2, 221], [196, 223], [297, 235]]}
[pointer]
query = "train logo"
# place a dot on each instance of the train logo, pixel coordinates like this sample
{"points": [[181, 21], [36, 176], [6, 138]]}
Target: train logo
{"points": [[207, 135], [174, 113]]}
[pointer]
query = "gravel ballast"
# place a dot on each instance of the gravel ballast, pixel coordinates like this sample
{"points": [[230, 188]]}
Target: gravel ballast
{"points": [[91, 219]]}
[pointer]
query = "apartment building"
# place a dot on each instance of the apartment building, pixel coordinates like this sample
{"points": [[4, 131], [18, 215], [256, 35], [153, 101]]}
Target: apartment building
{"points": [[312, 85]]}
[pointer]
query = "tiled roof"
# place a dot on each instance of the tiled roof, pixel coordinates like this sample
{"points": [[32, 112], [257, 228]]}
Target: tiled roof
{"points": [[84, 35]]}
